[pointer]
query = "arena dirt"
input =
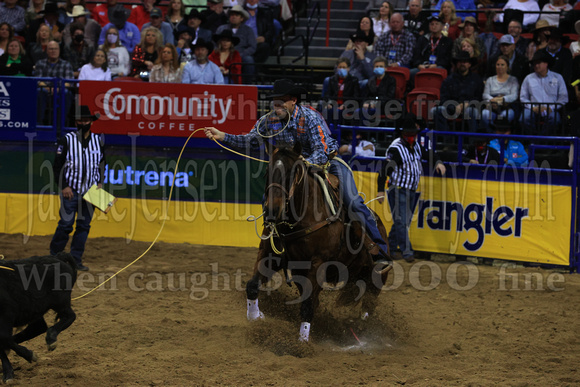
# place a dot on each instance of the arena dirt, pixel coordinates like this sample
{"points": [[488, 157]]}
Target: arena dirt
{"points": [[512, 327]]}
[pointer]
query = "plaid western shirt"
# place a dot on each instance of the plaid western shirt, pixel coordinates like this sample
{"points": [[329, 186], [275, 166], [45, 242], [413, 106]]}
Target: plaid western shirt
{"points": [[60, 69], [306, 126], [403, 45], [13, 16]]}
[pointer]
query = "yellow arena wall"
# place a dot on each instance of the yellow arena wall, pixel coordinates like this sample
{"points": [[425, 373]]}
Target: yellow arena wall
{"points": [[526, 222]]}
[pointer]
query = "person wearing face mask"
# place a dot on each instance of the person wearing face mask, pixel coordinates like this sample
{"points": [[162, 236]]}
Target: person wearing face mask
{"points": [[128, 33], [480, 152], [404, 168], [380, 89], [80, 51], [119, 61], [342, 94], [79, 163]]}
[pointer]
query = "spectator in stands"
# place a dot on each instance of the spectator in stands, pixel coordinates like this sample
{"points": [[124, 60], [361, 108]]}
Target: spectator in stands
{"points": [[146, 52], [416, 20], [166, 68], [396, 45], [554, 6], [432, 50], [501, 91], [360, 58], [141, 14], [260, 20], [92, 28], [381, 22], [490, 42], [128, 32], [458, 92], [33, 11], [214, 15], [118, 56], [64, 12], [542, 33], [480, 152], [157, 22], [13, 14], [247, 46], [14, 61], [6, 35], [363, 148], [80, 51], [201, 70], [519, 66], [515, 30], [562, 63], [100, 13], [194, 21], [575, 46], [175, 14], [50, 18], [51, 67], [514, 152], [380, 89], [184, 37], [524, 6], [343, 94], [37, 49], [225, 55], [450, 19], [469, 29], [472, 48], [97, 70], [365, 27], [460, 5], [542, 86]]}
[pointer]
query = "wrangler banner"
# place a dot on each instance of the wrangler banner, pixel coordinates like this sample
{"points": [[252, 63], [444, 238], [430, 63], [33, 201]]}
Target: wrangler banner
{"points": [[494, 219], [173, 110]]}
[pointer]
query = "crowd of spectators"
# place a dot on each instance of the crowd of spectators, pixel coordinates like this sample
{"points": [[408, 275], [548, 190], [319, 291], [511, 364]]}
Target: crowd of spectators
{"points": [[167, 39]]}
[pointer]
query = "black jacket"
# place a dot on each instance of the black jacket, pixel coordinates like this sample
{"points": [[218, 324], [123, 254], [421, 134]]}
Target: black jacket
{"points": [[443, 50], [562, 63], [462, 88], [385, 91], [351, 88], [25, 67]]}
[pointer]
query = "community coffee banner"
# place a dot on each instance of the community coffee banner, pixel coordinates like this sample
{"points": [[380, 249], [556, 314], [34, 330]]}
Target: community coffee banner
{"points": [[172, 110]]}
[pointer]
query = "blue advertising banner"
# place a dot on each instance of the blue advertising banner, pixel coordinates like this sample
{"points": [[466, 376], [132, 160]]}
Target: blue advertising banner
{"points": [[17, 107]]}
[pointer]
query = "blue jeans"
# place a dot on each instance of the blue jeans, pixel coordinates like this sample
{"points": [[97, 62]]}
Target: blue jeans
{"points": [[488, 116], [534, 124], [442, 113], [400, 201], [69, 209], [357, 210]]}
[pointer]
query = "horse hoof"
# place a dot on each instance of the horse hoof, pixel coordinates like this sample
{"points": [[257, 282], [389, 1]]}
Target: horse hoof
{"points": [[51, 346], [255, 316], [10, 381], [34, 358]]}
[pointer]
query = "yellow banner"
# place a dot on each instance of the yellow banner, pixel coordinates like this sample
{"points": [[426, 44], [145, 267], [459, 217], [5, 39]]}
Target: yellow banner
{"points": [[514, 221]]}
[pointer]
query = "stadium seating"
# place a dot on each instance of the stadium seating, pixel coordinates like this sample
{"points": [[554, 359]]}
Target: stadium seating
{"points": [[402, 76], [430, 78], [417, 101]]}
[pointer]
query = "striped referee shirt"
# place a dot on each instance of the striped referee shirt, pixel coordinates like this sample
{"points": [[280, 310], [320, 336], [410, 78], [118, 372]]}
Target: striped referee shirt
{"points": [[79, 162]]}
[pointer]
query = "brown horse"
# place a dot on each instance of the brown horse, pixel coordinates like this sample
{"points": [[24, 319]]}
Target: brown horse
{"points": [[310, 238]]}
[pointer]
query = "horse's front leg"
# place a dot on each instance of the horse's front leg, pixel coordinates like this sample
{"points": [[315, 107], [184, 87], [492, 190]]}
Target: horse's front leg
{"points": [[262, 274], [309, 290]]}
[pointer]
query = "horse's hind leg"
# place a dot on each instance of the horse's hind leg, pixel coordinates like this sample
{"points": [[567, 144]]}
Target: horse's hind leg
{"points": [[309, 294], [7, 370], [262, 274], [33, 329]]}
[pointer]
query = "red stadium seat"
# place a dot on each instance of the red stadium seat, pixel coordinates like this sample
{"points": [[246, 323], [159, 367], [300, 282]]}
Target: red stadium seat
{"points": [[402, 76], [431, 78], [418, 101], [527, 35]]}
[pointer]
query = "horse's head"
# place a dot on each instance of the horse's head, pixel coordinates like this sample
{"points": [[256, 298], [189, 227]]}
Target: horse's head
{"points": [[285, 173]]}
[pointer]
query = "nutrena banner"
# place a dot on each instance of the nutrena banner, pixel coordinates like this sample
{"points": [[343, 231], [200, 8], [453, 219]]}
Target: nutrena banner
{"points": [[167, 109]]}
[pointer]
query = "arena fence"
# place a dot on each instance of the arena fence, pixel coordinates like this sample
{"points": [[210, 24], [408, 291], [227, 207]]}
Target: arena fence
{"points": [[526, 214]]}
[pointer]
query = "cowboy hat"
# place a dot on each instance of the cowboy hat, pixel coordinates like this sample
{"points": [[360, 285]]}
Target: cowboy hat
{"points": [[557, 34], [194, 13], [470, 20], [542, 56], [203, 43], [284, 87], [463, 56], [181, 28], [78, 10], [83, 112], [541, 24], [118, 15], [239, 9], [49, 8], [226, 34]]}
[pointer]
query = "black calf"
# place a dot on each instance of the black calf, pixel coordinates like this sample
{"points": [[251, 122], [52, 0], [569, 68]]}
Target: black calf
{"points": [[35, 286]]}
